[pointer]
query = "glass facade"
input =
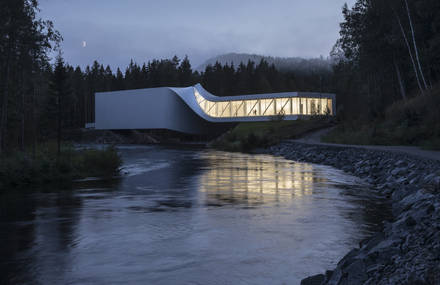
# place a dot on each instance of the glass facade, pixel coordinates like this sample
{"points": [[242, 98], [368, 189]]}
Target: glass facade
{"points": [[265, 107]]}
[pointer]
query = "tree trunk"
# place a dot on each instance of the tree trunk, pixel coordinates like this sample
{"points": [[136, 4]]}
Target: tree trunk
{"points": [[22, 119], [34, 123], [410, 53], [415, 45], [399, 78], [59, 125], [4, 110], [85, 109]]}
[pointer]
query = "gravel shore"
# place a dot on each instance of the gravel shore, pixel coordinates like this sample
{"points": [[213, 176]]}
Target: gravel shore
{"points": [[407, 251]]}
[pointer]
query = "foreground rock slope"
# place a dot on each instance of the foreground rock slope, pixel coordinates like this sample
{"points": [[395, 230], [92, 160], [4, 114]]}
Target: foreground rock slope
{"points": [[407, 251]]}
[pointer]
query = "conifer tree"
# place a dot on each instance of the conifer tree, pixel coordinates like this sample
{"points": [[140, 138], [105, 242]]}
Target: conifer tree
{"points": [[58, 90], [185, 72]]}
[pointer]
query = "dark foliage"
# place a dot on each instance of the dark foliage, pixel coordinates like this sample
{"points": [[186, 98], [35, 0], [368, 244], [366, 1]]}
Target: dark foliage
{"points": [[19, 170], [388, 51]]}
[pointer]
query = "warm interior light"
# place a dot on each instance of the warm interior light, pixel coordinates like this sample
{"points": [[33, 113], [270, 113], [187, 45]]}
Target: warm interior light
{"points": [[265, 107], [254, 180]]}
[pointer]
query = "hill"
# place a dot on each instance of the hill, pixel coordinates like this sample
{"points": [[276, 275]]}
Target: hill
{"points": [[281, 63]]}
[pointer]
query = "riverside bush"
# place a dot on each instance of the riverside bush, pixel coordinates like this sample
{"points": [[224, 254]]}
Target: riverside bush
{"points": [[19, 170], [104, 163], [415, 121]]}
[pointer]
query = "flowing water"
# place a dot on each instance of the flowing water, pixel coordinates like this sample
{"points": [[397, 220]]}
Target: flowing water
{"points": [[187, 216]]}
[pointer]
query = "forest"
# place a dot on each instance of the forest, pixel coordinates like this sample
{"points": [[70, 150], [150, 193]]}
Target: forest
{"points": [[388, 51], [387, 56], [387, 72]]}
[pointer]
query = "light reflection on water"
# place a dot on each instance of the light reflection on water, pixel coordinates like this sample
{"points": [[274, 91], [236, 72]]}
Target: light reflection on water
{"points": [[254, 179], [185, 216]]}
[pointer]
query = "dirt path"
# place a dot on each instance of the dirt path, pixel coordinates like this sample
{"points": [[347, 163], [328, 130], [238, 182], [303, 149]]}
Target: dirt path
{"points": [[315, 138]]}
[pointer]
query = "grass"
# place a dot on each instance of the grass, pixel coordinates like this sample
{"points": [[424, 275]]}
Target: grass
{"points": [[250, 135], [414, 122], [21, 170]]}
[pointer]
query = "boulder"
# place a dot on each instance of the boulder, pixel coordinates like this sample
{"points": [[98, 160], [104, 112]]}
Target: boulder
{"points": [[314, 280]]}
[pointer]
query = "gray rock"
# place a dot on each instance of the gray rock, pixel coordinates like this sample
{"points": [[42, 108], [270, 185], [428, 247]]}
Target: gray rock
{"points": [[348, 258], [400, 163], [429, 178], [328, 274], [355, 273], [402, 180], [372, 242], [407, 251], [314, 280], [398, 171], [413, 181], [436, 181]]}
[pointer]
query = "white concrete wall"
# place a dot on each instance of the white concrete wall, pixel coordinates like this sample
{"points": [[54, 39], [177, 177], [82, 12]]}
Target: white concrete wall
{"points": [[154, 108]]}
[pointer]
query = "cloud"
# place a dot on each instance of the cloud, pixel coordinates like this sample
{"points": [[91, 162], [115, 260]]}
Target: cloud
{"points": [[117, 31]]}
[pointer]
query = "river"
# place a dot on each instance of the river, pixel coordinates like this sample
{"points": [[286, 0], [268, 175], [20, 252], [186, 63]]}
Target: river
{"points": [[188, 216]]}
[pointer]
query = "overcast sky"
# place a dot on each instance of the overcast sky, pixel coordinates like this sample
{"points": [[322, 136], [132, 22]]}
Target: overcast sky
{"points": [[114, 31]]}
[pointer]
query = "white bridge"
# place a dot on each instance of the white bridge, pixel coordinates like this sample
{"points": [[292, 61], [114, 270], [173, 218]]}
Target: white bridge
{"points": [[194, 110]]}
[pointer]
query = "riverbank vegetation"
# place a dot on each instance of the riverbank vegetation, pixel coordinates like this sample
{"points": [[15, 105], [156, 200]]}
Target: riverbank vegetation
{"points": [[415, 121], [385, 67], [47, 166], [248, 136], [36, 106], [386, 73]]}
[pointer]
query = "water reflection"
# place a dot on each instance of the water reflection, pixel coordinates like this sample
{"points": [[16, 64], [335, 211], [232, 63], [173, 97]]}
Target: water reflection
{"points": [[186, 217], [232, 178]]}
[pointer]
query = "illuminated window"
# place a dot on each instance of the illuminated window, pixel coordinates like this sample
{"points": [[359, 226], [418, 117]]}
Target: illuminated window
{"points": [[283, 106], [295, 106], [267, 107], [264, 107], [238, 108], [252, 108], [330, 106]]}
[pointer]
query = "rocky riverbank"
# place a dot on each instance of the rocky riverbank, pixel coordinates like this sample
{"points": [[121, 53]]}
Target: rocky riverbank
{"points": [[407, 251]]}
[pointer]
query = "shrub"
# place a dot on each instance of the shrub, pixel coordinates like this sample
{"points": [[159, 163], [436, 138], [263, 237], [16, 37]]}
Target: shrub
{"points": [[103, 163], [19, 170], [415, 121]]}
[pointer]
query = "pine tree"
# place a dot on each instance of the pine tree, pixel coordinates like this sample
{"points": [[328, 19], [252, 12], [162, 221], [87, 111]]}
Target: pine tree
{"points": [[118, 81], [185, 73], [24, 43], [59, 90]]}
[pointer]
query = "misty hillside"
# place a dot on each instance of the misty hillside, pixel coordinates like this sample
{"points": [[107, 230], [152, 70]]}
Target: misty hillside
{"points": [[281, 63]]}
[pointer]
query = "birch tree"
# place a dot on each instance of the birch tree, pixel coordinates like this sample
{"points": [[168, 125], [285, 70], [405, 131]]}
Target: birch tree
{"points": [[416, 51]]}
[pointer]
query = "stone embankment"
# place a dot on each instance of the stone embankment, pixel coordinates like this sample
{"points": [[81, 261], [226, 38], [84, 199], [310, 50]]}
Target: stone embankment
{"points": [[407, 251]]}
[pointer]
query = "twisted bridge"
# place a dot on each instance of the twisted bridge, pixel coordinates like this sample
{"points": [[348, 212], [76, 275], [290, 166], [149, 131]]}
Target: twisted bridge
{"points": [[194, 110]]}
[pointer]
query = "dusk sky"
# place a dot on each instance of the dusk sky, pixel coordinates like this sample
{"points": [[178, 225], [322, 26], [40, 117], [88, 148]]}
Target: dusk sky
{"points": [[114, 31]]}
